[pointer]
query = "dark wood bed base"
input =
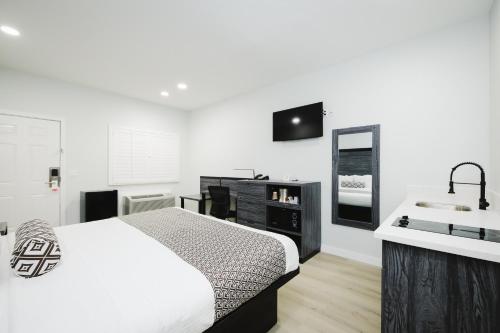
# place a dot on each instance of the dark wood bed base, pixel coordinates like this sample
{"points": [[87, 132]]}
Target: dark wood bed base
{"points": [[258, 315]]}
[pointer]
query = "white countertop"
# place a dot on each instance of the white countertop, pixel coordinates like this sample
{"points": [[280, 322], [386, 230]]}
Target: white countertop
{"points": [[474, 248]]}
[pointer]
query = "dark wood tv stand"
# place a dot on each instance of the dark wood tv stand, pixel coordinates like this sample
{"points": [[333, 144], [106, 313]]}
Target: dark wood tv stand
{"points": [[301, 222]]}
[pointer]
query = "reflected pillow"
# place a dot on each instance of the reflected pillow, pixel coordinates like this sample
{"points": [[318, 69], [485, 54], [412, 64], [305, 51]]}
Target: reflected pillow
{"points": [[343, 180], [366, 179], [353, 184]]}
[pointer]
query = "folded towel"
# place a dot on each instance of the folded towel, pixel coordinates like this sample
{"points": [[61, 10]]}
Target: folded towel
{"points": [[36, 250]]}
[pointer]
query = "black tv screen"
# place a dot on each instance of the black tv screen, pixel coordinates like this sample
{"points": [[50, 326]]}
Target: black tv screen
{"points": [[302, 122]]}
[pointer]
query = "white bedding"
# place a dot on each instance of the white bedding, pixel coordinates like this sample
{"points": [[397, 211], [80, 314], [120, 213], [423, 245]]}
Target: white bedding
{"points": [[112, 278], [363, 190], [355, 196]]}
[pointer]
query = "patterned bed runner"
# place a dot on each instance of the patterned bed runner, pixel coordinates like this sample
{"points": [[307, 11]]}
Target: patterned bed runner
{"points": [[237, 262]]}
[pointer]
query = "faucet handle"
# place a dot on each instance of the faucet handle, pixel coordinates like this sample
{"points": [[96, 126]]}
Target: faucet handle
{"points": [[452, 189], [403, 222], [483, 204]]}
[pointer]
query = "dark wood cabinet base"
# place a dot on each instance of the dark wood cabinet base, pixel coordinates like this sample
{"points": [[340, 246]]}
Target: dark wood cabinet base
{"points": [[309, 256], [430, 291]]}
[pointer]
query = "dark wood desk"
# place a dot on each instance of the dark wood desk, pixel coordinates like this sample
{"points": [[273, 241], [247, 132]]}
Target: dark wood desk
{"points": [[231, 182], [255, 208], [205, 182], [201, 198]]}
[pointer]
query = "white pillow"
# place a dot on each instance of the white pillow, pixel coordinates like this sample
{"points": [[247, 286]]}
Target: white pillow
{"points": [[345, 179], [367, 179]]}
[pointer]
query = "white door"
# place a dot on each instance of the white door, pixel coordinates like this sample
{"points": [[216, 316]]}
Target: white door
{"points": [[28, 149]]}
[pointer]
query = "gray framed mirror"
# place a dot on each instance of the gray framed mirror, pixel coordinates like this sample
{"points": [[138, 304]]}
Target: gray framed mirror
{"points": [[356, 177]]}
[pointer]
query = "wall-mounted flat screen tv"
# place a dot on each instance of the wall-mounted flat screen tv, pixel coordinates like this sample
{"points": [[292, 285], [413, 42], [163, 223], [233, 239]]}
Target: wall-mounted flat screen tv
{"points": [[302, 122]]}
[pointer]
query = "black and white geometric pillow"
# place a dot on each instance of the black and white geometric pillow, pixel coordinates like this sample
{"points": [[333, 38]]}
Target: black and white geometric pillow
{"points": [[36, 250], [345, 183], [353, 184]]}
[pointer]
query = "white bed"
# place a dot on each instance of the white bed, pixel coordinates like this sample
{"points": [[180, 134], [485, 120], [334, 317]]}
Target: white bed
{"points": [[135, 285], [356, 196]]}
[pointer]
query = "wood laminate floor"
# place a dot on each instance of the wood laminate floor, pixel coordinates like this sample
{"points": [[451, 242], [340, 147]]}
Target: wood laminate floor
{"points": [[331, 294]]}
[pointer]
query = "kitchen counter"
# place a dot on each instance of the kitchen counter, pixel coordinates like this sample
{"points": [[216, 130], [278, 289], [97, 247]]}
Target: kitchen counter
{"points": [[438, 282], [473, 248]]}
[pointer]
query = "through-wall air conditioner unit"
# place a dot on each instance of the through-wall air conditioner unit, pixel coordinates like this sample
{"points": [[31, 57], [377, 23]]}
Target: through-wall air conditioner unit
{"points": [[142, 203]]}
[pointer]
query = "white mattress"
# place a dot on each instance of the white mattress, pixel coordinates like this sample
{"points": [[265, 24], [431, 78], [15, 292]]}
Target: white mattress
{"points": [[362, 190], [112, 278], [355, 196]]}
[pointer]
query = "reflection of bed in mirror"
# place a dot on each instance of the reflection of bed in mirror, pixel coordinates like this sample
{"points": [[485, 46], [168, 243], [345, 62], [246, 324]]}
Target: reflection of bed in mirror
{"points": [[355, 197], [355, 176]]}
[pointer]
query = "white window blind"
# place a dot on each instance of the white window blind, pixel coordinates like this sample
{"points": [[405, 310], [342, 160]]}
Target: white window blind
{"points": [[139, 156]]}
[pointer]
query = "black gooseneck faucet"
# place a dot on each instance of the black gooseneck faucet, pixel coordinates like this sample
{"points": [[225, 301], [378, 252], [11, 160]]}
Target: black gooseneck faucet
{"points": [[482, 200]]}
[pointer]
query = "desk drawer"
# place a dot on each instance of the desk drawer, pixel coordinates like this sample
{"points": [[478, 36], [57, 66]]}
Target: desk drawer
{"points": [[252, 224], [252, 206], [251, 211], [257, 191], [250, 198]]}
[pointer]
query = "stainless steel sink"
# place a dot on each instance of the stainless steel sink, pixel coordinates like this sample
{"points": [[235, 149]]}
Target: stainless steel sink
{"points": [[437, 205]]}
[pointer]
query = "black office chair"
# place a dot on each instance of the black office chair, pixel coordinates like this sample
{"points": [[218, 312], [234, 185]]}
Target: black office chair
{"points": [[221, 202]]}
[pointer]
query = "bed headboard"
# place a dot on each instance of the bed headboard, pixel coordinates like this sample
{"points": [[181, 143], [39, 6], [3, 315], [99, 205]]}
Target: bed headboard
{"points": [[357, 161]]}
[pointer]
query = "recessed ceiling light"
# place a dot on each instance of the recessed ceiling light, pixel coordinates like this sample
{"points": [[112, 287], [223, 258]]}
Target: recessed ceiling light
{"points": [[182, 86], [164, 93], [10, 31], [295, 120]]}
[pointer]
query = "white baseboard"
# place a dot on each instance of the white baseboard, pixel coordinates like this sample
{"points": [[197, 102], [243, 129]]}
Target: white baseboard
{"points": [[370, 260]]}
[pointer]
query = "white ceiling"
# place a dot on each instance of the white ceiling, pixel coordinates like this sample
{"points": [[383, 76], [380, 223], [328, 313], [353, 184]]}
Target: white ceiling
{"points": [[220, 48]]}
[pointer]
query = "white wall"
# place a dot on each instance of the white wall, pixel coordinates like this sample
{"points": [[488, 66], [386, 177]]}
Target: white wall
{"points": [[495, 98], [87, 113], [430, 95]]}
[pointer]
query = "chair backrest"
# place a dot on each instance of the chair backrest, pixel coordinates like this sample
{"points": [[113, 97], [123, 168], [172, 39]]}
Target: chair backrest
{"points": [[220, 201]]}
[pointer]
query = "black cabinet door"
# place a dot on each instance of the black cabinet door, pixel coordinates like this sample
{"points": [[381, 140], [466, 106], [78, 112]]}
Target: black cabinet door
{"points": [[430, 291], [252, 191], [252, 211], [475, 292]]}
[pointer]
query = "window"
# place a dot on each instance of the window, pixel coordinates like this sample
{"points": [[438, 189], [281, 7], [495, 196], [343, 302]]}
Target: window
{"points": [[139, 156]]}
